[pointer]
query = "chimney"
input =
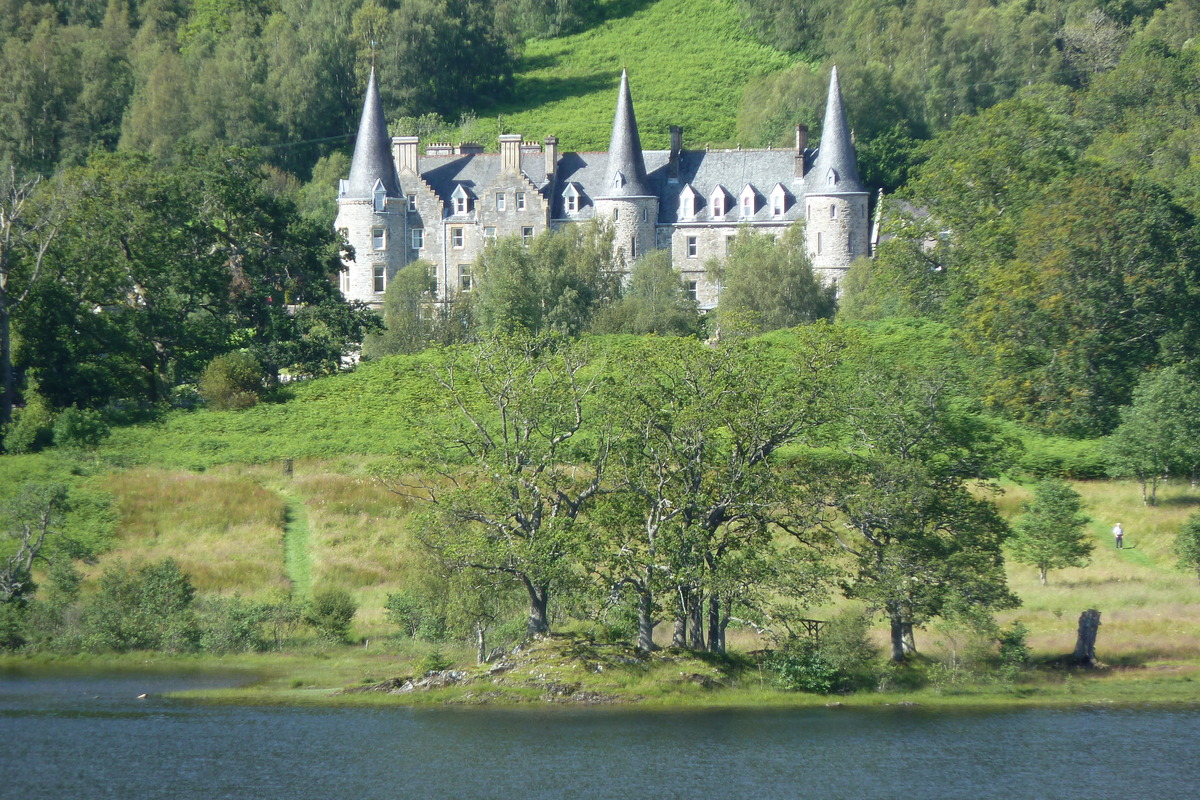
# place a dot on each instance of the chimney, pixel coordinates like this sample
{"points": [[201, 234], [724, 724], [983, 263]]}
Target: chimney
{"points": [[801, 146], [676, 153], [510, 153], [404, 149], [551, 148]]}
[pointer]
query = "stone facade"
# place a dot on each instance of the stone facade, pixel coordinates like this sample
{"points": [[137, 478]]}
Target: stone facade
{"points": [[446, 204]]}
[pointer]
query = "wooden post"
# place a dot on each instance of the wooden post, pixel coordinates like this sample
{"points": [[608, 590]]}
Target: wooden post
{"points": [[1085, 644], [287, 467]]}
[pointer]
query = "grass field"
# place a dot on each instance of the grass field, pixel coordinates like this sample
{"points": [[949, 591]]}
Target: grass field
{"points": [[688, 61]]}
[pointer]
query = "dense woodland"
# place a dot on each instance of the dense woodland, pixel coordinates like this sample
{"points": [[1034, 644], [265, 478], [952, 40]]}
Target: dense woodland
{"points": [[166, 243]]}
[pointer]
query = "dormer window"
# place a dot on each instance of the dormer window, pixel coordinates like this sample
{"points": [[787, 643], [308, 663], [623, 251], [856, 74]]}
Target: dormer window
{"points": [[571, 199], [461, 200], [747, 201], [832, 178], [618, 180], [778, 201], [687, 202], [717, 202], [379, 195]]}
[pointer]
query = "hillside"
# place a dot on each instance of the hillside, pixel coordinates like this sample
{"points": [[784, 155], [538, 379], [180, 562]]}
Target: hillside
{"points": [[688, 61]]}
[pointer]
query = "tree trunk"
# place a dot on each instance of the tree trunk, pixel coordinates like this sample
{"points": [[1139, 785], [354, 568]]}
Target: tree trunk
{"points": [[1042, 574], [679, 635], [645, 642], [696, 618], [539, 620], [716, 642], [1085, 643], [480, 643], [6, 369], [902, 635]]}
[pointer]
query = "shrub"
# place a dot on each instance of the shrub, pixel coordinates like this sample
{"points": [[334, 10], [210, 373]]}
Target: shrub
{"points": [[435, 661], [80, 427], [12, 626], [799, 667], [330, 614], [415, 617], [232, 625], [847, 647], [31, 428], [232, 381], [148, 608]]}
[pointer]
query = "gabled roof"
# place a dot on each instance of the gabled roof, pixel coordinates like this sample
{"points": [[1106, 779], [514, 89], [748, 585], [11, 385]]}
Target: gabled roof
{"points": [[626, 175], [372, 150], [836, 152]]}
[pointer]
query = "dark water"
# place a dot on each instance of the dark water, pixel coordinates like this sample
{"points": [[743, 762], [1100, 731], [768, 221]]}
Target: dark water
{"points": [[64, 737]]}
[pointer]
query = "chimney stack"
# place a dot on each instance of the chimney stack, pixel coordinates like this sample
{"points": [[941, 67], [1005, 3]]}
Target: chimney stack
{"points": [[404, 149], [510, 153], [801, 146], [551, 148], [676, 152]]}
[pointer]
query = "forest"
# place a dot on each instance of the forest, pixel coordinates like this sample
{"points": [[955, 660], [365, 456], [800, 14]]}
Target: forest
{"points": [[168, 262]]}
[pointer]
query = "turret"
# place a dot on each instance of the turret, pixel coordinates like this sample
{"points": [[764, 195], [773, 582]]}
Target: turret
{"points": [[836, 224], [371, 207], [626, 199]]}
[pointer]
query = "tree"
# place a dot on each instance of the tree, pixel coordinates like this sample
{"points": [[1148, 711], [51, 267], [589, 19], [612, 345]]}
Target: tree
{"points": [[694, 430], [904, 493], [511, 486], [30, 526], [768, 284], [1187, 545], [26, 232], [1051, 533], [656, 301], [556, 283], [411, 319], [1159, 433]]}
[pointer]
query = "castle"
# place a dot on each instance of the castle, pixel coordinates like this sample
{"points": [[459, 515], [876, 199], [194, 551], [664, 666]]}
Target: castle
{"points": [[445, 205]]}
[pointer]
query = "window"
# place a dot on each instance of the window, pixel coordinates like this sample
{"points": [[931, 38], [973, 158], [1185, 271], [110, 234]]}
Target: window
{"points": [[501, 201], [460, 204], [818, 243], [572, 203], [747, 206], [418, 238], [464, 277], [412, 202], [380, 197], [833, 212], [718, 204], [691, 247], [380, 279], [526, 234], [344, 281], [632, 247], [689, 205], [777, 206], [645, 215], [456, 238], [520, 201], [616, 214], [378, 239], [691, 291], [489, 234]]}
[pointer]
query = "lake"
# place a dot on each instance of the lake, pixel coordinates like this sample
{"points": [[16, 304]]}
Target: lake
{"points": [[69, 736]]}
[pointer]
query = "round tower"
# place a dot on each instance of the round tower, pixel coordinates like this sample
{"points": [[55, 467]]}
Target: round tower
{"points": [[837, 227], [371, 209], [626, 200]]}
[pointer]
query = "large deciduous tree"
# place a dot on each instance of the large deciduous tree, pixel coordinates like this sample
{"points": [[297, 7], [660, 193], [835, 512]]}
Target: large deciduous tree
{"points": [[1159, 434]]}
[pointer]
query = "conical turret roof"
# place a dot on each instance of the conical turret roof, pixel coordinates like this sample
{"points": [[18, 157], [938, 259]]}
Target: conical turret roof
{"points": [[836, 152], [626, 176], [372, 152]]}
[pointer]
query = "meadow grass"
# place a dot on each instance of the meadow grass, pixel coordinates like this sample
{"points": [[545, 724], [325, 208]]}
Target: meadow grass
{"points": [[223, 530]]}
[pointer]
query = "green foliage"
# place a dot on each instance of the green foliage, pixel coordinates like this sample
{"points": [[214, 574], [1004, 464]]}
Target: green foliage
{"points": [[143, 608], [1159, 434], [331, 612], [656, 301], [1013, 648], [232, 382], [32, 427], [768, 284], [232, 625], [412, 320], [415, 616], [434, 661], [1051, 534], [80, 427], [800, 667], [1187, 545]]}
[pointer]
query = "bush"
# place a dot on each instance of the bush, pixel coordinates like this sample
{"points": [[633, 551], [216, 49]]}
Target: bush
{"points": [[12, 626], [799, 667], [80, 427], [330, 614], [415, 617], [232, 381], [148, 608], [232, 625], [435, 661], [31, 428]]}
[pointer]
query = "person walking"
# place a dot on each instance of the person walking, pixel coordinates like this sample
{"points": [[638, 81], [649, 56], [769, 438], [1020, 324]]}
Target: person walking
{"points": [[1119, 536]]}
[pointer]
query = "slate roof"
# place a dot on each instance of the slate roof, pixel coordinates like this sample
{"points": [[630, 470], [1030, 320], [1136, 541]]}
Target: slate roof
{"points": [[837, 148], [626, 172], [372, 150]]}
